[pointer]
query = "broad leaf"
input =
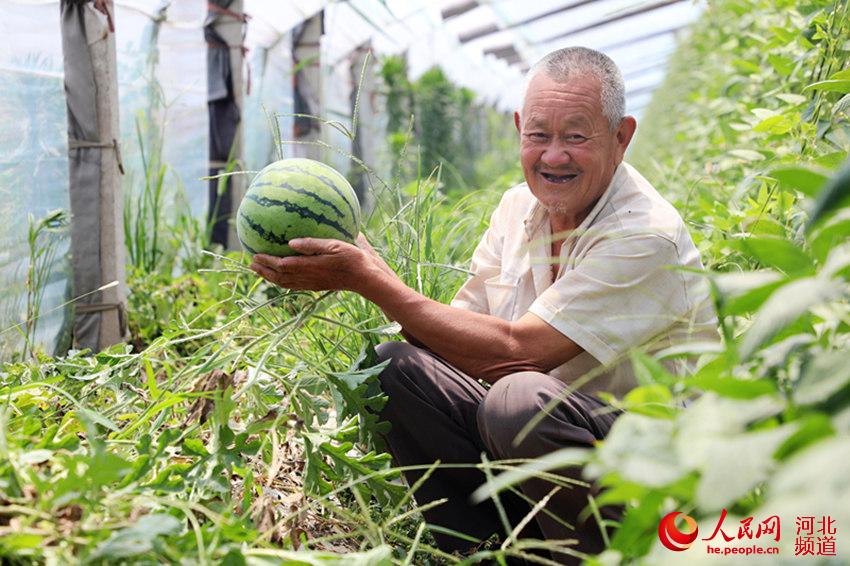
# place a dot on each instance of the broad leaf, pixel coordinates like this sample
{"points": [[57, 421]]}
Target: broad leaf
{"points": [[823, 377], [732, 387], [775, 252], [777, 125], [640, 449], [830, 234], [833, 196], [736, 464], [785, 306], [830, 86], [741, 293], [747, 154], [801, 179], [731, 285], [138, 538]]}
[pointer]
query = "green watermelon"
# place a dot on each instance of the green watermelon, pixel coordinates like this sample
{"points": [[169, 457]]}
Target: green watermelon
{"points": [[295, 198]]}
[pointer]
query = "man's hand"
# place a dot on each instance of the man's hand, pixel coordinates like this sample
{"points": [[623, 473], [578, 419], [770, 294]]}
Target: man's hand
{"points": [[481, 345], [325, 265]]}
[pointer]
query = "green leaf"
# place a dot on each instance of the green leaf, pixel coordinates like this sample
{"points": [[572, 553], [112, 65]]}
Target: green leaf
{"points": [[831, 161], [822, 378], [746, 67], [640, 449], [138, 538], [783, 65], [233, 558], [783, 34], [35, 457], [741, 293], [777, 125], [815, 479], [736, 464], [20, 541], [763, 225], [793, 99], [747, 154], [812, 428], [786, 305], [355, 377], [833, 196], [106, 467], [837, 262], [689, 349], [732, 387], [194, 447], [96, 417], [238, 531], [649, 371], [777, 355], [830, 86], [777, 253], [653, 400], [801, 179], [842, 106], [731, 285], [153, 389], [752, 300]]}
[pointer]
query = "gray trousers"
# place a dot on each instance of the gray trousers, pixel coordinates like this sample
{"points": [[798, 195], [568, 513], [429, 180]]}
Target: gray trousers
{"points": [[439, 413]]}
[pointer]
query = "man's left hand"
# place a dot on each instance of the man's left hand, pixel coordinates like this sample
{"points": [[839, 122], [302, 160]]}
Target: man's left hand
{"points": [[324, 265]]}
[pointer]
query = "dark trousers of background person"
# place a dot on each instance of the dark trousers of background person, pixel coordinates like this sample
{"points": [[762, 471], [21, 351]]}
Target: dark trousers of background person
{"points": [[439, 413]]}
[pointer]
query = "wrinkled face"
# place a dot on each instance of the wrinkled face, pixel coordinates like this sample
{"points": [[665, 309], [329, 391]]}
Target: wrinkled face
{"points": [[567, 149]]}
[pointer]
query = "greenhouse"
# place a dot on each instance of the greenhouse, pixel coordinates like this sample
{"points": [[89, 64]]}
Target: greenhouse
{"points": [[425, 282]]}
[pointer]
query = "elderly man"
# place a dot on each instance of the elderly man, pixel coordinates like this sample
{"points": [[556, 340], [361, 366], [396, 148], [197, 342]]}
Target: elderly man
{"points": [[576, 269]]}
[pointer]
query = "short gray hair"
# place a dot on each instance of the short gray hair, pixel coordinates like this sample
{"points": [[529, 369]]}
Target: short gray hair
{"points": [[567, 63]]}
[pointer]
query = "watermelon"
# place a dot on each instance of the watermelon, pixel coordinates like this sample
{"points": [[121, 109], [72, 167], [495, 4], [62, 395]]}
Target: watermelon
{"points": [[296, 198]]}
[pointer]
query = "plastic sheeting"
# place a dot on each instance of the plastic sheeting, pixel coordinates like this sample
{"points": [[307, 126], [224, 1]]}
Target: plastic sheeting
{"points": [[337, 87], [162, 85], [267, 110], [33, 165]]}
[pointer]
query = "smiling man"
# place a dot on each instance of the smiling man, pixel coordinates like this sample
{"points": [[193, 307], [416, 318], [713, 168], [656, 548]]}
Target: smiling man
{"points": [[578, 268]]}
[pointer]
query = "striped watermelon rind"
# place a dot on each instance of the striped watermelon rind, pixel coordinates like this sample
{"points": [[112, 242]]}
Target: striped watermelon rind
{"points": [[296, 198]]}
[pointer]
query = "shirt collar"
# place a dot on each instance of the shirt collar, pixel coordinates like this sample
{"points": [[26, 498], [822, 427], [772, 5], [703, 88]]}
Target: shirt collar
{"points": [[533, 221]]}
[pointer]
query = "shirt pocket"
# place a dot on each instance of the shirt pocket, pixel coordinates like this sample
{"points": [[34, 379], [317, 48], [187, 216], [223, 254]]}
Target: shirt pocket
{"points": [[501, 296]]}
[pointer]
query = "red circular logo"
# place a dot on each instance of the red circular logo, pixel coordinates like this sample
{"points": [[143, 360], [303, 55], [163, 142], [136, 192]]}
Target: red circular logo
{"points": [[672, 537]]}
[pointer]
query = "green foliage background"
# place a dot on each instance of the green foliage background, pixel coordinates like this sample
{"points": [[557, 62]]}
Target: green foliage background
{"points": [[750, 122], [443, 125]]}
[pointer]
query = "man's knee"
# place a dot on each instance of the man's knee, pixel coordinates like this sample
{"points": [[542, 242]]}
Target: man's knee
{"points": [[399, 354], [405, 365], [510, 404], [529, 414]]}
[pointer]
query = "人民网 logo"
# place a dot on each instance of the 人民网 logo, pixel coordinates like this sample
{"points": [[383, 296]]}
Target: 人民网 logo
{"points": [[672, 537]]}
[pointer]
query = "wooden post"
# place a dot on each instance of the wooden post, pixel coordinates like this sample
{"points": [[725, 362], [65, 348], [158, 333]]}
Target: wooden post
{"points": [[97, 232]]}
